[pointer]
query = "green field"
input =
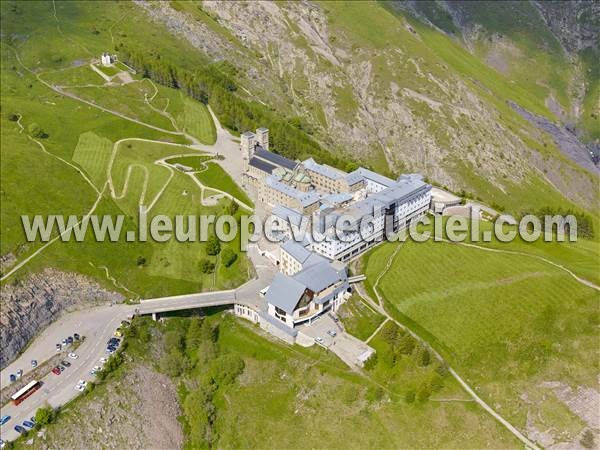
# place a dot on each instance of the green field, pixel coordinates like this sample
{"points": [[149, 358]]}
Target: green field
{"points": [[215, 177], [195, 162], [359, 319], [507, 323]]}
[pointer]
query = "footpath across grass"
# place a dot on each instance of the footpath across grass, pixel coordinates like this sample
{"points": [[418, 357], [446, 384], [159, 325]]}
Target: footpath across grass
{"points": [[215, 177]]}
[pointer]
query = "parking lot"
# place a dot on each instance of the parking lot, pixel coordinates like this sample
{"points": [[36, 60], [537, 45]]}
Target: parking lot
{"points": [[344, 345]]}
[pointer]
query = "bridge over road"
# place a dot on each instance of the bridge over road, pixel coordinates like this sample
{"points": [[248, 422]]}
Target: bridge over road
{"points": [[188, 301]]}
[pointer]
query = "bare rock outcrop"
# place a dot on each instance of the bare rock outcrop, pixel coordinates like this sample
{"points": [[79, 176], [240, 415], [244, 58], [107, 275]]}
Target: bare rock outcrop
{"points": [[29, 305]]}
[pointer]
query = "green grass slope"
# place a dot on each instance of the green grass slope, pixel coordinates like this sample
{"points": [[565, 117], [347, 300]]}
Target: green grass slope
{"points": [[507, 323]]}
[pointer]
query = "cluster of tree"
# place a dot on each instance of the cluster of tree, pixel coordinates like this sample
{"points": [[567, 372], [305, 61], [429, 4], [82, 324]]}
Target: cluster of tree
{"points": [[214, 83], [400, 343], [585, 224], [195, 351], [45, 415]]}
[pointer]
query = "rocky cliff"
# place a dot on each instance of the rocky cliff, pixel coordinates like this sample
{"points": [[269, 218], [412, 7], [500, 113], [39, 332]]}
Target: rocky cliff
{"points": [[28, 306]]}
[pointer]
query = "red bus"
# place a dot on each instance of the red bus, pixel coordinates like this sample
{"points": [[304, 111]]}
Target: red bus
{"points": [[25, 392]]}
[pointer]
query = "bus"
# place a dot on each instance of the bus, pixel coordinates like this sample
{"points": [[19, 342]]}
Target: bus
{"points": [[25, 392]]}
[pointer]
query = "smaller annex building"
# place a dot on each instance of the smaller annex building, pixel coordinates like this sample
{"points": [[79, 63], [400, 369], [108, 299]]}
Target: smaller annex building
{"points": [[319, 286]]}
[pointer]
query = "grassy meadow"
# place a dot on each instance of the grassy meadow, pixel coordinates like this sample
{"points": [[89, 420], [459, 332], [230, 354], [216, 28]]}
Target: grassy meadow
{"points": [[507, 323]]}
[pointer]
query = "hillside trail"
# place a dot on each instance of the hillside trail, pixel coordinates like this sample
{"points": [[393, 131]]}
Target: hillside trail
{"points": [[378, 306], [529, 255]]}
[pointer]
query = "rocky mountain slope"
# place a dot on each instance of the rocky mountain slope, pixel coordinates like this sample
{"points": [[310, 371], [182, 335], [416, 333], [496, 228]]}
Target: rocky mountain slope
{"points": [[376, 80], [29, 305]]}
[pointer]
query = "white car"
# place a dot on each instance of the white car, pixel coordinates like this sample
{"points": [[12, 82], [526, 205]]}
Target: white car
{"points": [[319, 340], [103, 360], [73, 356], [80, 386], [332, 333]]}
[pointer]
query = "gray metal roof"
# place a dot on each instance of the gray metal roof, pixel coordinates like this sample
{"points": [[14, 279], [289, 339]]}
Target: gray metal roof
{"points": [[274, 158], [262, 165], [318, 276], [305, 198], [288, 214], [262, 129], [326, 171], [285, 292], [373, 176], [248, 134], [295, 250]]}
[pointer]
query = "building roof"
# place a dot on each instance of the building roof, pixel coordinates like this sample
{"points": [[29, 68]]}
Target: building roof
{"points": [[305, 198], [354, 177], [274, 158], [326, 171], [248, 134], [373, 176], [262, 165], [288, 214], [304, 256], [319, 276], [285, 292], [295, 250], [262, 129]]}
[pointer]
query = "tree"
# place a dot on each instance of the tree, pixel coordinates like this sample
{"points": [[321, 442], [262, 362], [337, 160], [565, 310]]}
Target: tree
{"points": [[45, 415], [213, 246], [173, 340], [228, 257], [409, 396], [423, 356], [424, 392], [587, 440], [140, 261], [36, 131], [172, 363], [226, 368], [206, 266], [371, 362], [232, 208]]}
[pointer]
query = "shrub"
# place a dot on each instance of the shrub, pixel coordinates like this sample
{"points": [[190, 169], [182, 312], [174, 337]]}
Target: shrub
{"points": [[587, 440], [45, 415], [140, 261], [226, 368], [206, 266], [213, 246], [232, 208], [228, 257], [424, 392], [409, 396], [371, 362]]}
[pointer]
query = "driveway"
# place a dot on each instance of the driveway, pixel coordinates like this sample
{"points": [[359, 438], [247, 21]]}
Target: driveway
{"points": [[345, 346]]}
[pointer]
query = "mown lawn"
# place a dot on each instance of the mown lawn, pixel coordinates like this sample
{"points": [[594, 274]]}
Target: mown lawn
{"points": [[215, 177], [507, 323]]}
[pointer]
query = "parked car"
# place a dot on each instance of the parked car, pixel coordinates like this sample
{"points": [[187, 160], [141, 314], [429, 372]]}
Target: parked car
{"points": [[319, 340], [103, 360], [64, 342], [28, 424], [20, 429], [19, 373], [56, 370], [70, 340], [73, 356], [32, 420], [2, 443], [12, 378], [58, 347], [80, 386], [118, 333], [33, 363], [66, 363], [4, 419], [125, 323], [76, 336], [332, 333]]}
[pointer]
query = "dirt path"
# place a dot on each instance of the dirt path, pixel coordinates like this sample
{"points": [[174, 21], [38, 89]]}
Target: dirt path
{"points": [[381, 309]]}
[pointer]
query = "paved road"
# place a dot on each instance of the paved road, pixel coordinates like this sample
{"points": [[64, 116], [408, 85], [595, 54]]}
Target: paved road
{"points": [[97, 325]]}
